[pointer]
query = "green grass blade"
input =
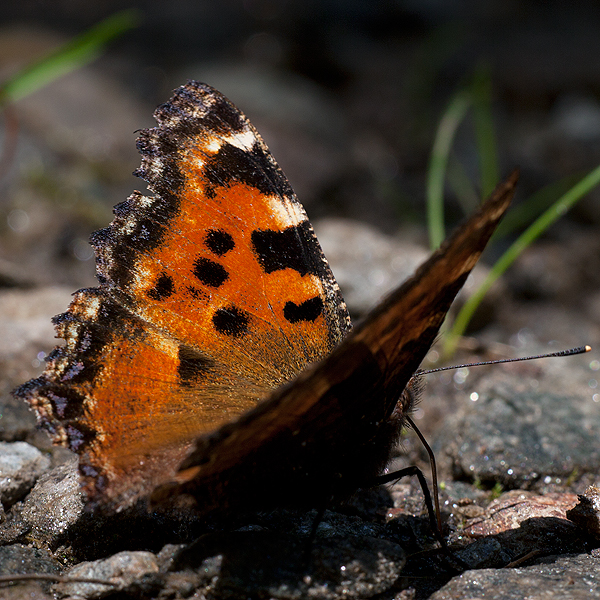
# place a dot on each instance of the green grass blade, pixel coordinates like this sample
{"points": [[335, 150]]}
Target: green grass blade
{"points": [[487, 147], [557, 210], [438, 161], [525, 213], [75, 53]]}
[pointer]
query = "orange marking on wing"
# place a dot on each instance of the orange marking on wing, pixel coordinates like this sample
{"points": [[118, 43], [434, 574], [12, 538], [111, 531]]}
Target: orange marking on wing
{"points": [[195, 320], [274, 348]]}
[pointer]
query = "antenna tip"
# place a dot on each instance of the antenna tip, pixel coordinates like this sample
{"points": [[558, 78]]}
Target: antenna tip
{"points": [[587, 348]]}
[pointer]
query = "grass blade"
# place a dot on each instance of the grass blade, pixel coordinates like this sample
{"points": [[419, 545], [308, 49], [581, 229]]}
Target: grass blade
{"points": [[75, 53], [541, 224], [525, 213], [438, 162]]}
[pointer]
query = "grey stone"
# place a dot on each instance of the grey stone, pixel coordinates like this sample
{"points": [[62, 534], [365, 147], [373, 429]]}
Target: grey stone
{"points": [[367, 264], [25, 320], [13, 528], [483, 553], [20, 466], [577, 116], [556, 578], [518, 438], [28, 336], [21, 560], [121, 571], [55, 504]]}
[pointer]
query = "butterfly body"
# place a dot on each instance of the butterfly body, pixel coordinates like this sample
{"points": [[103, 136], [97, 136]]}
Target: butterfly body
{"points": [[216, 359]]}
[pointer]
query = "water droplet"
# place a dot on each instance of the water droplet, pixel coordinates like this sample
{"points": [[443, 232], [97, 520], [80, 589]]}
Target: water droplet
{"points": [[460, 375], [18, 220], [82, 250]]}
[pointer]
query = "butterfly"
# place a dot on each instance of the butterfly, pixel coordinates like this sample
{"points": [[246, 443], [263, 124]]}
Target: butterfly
{"points": [[216, 361]]}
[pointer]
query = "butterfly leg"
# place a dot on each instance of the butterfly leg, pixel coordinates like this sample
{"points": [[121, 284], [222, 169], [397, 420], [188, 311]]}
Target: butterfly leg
{"points": [[316, 522], [313, 532], [434, 522]]}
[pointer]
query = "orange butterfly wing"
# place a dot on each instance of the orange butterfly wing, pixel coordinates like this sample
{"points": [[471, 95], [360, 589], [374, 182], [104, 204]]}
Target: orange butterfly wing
{"points": [[214, 291]]}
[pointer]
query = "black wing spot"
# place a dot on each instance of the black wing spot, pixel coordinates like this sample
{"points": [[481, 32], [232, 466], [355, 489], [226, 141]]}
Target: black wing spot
{"points": [[253, 168], [219, 242], [278, 250], [231, 321], [193, 366], [309, 310], [210, 273], [163, 288]]}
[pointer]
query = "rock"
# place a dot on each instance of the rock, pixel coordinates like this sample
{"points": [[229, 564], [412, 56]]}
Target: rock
{"points": [[29, 336], [483, 554], [21, 560], [522, 524], [20, 466], [121, 571], [552, 269], [518, 437], [17, 421], [25, 320], [573, 577], [510, 510], [577, 117], [253, 563], [55, 504], [368, 264]]}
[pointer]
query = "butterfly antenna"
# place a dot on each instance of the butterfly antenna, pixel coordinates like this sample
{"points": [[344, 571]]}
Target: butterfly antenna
{"points": [[570, 352], [434, 477]]}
